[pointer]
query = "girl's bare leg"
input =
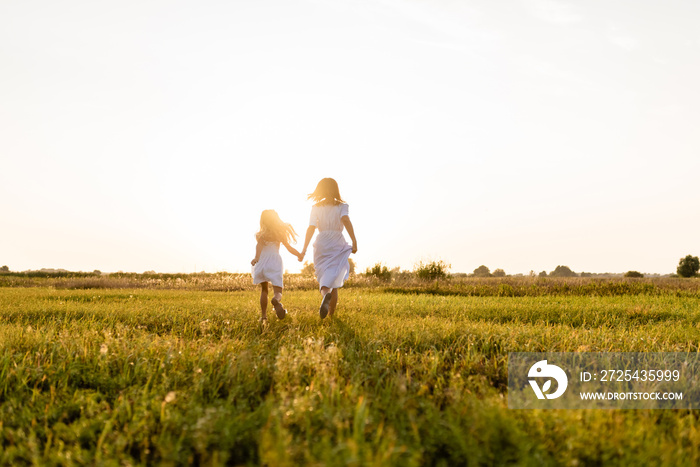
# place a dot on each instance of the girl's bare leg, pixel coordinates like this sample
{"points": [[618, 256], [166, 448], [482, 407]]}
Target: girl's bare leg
{"points": [[278, 293], [334, 302], [263, 300], [277, 302]]}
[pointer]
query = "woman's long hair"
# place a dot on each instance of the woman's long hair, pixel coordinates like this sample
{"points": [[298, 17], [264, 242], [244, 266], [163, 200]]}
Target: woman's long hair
{"points": [[272, 229], [326, 192]]}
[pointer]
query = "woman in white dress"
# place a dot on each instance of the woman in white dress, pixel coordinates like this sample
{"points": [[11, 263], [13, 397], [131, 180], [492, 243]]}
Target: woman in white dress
{"points": [[267, 264], [331, 251]]}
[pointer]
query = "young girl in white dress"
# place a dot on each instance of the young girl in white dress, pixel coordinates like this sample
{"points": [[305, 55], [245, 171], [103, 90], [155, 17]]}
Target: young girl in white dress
{"points": [[331, 251], [267, 264]]}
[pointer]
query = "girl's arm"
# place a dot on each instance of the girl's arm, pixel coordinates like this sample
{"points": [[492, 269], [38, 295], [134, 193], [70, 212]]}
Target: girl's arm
{"points": [[309, 234], [258, 250], [292, 250], [348, 226]]}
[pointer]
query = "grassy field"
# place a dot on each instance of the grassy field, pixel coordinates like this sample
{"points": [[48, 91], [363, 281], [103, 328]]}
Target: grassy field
{"points": [[404, 375]]}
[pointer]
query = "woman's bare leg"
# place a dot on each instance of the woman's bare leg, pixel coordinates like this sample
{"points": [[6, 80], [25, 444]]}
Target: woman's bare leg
{"points": [[325, 303], [334, 302], [263, 300]]}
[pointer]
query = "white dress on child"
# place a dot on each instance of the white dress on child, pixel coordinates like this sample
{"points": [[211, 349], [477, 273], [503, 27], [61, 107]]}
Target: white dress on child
{"points": [[269, 267], [331, 250]]}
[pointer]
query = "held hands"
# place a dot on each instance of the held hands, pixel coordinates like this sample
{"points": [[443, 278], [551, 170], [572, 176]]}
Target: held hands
{"points": [[354, 247], [255, 260], [301, 256]]}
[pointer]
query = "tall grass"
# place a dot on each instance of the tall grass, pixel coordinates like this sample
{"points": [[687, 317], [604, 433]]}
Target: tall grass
{"points": [[145, 376], [383, 281]]}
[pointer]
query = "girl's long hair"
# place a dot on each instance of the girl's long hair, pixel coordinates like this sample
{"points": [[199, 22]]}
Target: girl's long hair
{"points": [[272, 229], [326, 192]]}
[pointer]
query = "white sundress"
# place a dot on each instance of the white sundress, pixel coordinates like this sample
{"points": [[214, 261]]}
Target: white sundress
{"points": [[269, 267], [331, 250]]}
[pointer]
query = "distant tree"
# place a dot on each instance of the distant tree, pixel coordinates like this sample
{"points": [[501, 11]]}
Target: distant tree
{"points": [[482, 271], [352, 266], [531, 273], [586, 274], [634, 274], [562, 271], [97, 272], [4, 269], [543, 274], [498, 273], [152, 272], [379, 271], [308, 269], [688, 266], [432, 270]]}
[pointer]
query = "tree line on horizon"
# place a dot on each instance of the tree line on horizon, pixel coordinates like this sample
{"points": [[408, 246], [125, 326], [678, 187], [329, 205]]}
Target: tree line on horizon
{"points": [[688, 266]]}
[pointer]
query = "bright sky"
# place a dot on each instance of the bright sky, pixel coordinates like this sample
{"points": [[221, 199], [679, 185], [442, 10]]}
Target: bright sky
{"points": [[149, 135]]}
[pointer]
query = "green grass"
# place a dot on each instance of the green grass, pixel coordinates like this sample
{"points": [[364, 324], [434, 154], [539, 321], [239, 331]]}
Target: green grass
{"points": [[143, 376]]}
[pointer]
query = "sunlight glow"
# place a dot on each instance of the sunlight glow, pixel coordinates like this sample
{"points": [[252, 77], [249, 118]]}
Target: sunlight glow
{"points": [[151, 136]]}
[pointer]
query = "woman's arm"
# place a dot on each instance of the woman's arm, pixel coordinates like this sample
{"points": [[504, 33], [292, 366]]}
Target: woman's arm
{"points": [[348, 226], [258, 250], [309, 235], [292, 250]]}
